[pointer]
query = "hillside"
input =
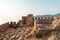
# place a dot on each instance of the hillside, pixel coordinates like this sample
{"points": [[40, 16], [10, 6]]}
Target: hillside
{"points": [[58, 14]]}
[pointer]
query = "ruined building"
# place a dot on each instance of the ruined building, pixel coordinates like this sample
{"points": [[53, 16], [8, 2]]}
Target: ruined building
{"points": [[31, 28]]}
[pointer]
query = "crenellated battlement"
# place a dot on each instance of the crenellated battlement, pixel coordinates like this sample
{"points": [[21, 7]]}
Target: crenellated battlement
{"points": [[13, 24], [27, 21], [44, 20], [30, 27]]}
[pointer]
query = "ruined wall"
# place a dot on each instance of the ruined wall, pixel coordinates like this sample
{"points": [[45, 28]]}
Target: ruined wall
{"points": [[24, 19], [30, 20], [44, 20], [27, 21], [21, 24], [13, 24]]}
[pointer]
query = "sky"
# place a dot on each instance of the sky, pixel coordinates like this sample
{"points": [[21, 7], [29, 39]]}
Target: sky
{"points": [[13, 10]]}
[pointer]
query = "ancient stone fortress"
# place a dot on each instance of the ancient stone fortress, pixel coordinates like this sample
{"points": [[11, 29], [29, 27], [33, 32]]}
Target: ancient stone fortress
{"points": [[31, 28]]}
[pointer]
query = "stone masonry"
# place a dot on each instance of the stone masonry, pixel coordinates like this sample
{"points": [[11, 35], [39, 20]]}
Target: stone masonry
{"points": [[27, 29]]}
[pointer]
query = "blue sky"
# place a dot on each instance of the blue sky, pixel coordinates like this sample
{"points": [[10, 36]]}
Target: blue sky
{"points": [[13, 10]]}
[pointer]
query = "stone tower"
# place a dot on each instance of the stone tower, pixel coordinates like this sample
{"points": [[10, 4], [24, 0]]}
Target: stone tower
{"points": [[30, 20]]}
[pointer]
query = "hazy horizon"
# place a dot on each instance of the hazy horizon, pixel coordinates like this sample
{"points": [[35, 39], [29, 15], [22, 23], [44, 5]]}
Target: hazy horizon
{"points": [[13, 10]]}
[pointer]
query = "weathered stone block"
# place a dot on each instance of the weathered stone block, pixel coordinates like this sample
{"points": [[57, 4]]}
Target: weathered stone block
{"points": [[21, 24], [30, 20], [24, 19]]}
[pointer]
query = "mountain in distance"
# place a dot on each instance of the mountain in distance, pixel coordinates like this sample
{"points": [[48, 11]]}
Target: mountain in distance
{"points": [[55, 15], [58, 14]]}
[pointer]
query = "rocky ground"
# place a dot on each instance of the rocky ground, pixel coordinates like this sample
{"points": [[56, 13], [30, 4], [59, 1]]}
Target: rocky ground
{"points": [[24, 34]]}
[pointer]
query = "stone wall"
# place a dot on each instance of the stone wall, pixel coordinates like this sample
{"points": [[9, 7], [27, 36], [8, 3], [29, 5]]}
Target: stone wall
{"points": [[24, 19], [30, 20], [21, 24], [13, 24], [27, 21], [3, 27], [44, 20]]}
